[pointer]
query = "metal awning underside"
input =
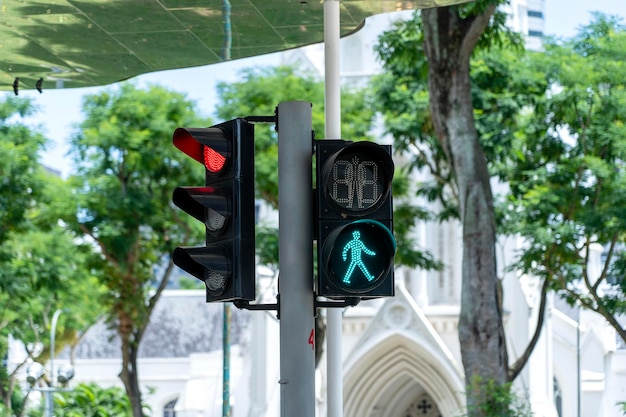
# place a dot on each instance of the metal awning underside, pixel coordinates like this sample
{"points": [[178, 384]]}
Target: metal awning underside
{"points": [[96, 42]]}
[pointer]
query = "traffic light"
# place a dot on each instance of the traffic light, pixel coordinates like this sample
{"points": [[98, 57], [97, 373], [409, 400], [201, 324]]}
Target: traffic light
{"points": [[355, 243], [225, 205]]}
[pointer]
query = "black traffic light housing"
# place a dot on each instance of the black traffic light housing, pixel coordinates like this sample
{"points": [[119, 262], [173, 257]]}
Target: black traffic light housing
{"points": [[226, 206], [355, 243]]}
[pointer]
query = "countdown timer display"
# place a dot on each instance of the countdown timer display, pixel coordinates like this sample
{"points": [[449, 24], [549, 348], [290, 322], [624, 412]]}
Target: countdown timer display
{"points": [[357, 180]]}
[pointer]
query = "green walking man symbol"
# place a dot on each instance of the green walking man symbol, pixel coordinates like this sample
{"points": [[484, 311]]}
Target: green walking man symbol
{"points": [[356, 247]]}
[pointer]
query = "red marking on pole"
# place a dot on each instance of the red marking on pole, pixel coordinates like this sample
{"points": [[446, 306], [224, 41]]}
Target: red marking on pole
{"points": [[312, 339]]}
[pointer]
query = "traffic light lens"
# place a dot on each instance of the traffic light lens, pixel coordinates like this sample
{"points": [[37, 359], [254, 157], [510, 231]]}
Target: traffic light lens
{"points": [[215, 282], [215, 221], [213, 160], [356, 183], [359, 255]]}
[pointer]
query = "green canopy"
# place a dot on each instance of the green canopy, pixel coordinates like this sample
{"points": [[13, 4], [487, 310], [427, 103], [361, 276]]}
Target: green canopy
{"points": [[81, 43]]}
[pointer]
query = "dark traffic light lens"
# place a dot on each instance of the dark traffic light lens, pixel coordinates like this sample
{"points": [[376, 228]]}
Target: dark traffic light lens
{"points": [[358, 178], [356, 184], [215, 282]]}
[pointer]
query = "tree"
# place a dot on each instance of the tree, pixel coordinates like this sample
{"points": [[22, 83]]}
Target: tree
{"points": [[126, 169], [18, 192], [450, 36], [42, 268], [433, 100], [550, 125], [566, 171]]}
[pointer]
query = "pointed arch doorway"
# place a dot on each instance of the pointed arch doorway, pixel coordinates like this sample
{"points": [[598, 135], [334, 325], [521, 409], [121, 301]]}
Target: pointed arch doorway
{"points": [[398, 376]]}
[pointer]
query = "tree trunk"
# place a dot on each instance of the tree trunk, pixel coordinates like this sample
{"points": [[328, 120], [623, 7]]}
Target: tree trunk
{"points": [[129, 374], [448, 43], [6, 395]]}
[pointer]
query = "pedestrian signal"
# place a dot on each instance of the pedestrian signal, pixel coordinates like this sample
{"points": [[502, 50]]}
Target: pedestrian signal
{"points": [[355, 243]]}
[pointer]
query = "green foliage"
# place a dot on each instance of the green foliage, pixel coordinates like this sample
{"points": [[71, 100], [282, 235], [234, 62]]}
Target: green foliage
{"points": [[187, 283], [566, 169], [495, 400], [402, 97], [551, 125], [42, 266], [18, 401], [19, 166], [267, 250], [89, 400], [501, 88], [48, 271]]}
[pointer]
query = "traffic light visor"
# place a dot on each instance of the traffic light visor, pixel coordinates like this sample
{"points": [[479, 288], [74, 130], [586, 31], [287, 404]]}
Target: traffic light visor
{"points": [[210, 205], [209, 265], [209, 146]]}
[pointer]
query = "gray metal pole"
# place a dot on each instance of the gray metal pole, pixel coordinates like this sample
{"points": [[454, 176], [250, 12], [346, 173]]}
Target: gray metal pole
{"points": [[295, 283]]}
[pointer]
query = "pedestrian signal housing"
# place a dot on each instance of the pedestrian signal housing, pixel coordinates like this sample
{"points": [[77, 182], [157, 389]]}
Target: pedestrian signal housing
{"points": [[355, 243]]}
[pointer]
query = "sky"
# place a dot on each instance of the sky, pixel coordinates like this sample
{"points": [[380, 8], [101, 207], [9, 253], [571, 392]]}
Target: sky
{"points": [[60, 110]]}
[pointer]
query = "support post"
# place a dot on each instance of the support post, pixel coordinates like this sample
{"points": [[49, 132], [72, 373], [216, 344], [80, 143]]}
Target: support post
{"points": [[226, 360], [332, 97], [295, 283]]}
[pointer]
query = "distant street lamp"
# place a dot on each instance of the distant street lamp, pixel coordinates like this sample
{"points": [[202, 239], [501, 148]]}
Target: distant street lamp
{"points": [[65, 373], [36, 371]]}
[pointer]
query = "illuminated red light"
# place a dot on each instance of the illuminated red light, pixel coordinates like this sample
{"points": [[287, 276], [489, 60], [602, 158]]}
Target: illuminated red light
{"points": [[213, 161]]}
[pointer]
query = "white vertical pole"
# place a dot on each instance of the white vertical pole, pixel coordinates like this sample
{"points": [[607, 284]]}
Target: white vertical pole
{"points": [[49, 401], [332, 95], [334, 364]]}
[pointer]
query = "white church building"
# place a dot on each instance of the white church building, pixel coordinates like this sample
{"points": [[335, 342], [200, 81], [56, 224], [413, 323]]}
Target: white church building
{"points": [[401, 355]]}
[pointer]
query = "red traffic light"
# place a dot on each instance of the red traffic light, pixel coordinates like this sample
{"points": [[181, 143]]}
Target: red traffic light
{"points": [[226, 206], [205, 145]]}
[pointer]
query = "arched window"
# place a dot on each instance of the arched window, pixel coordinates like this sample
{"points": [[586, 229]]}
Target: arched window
{"points": [[168, 410]]}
